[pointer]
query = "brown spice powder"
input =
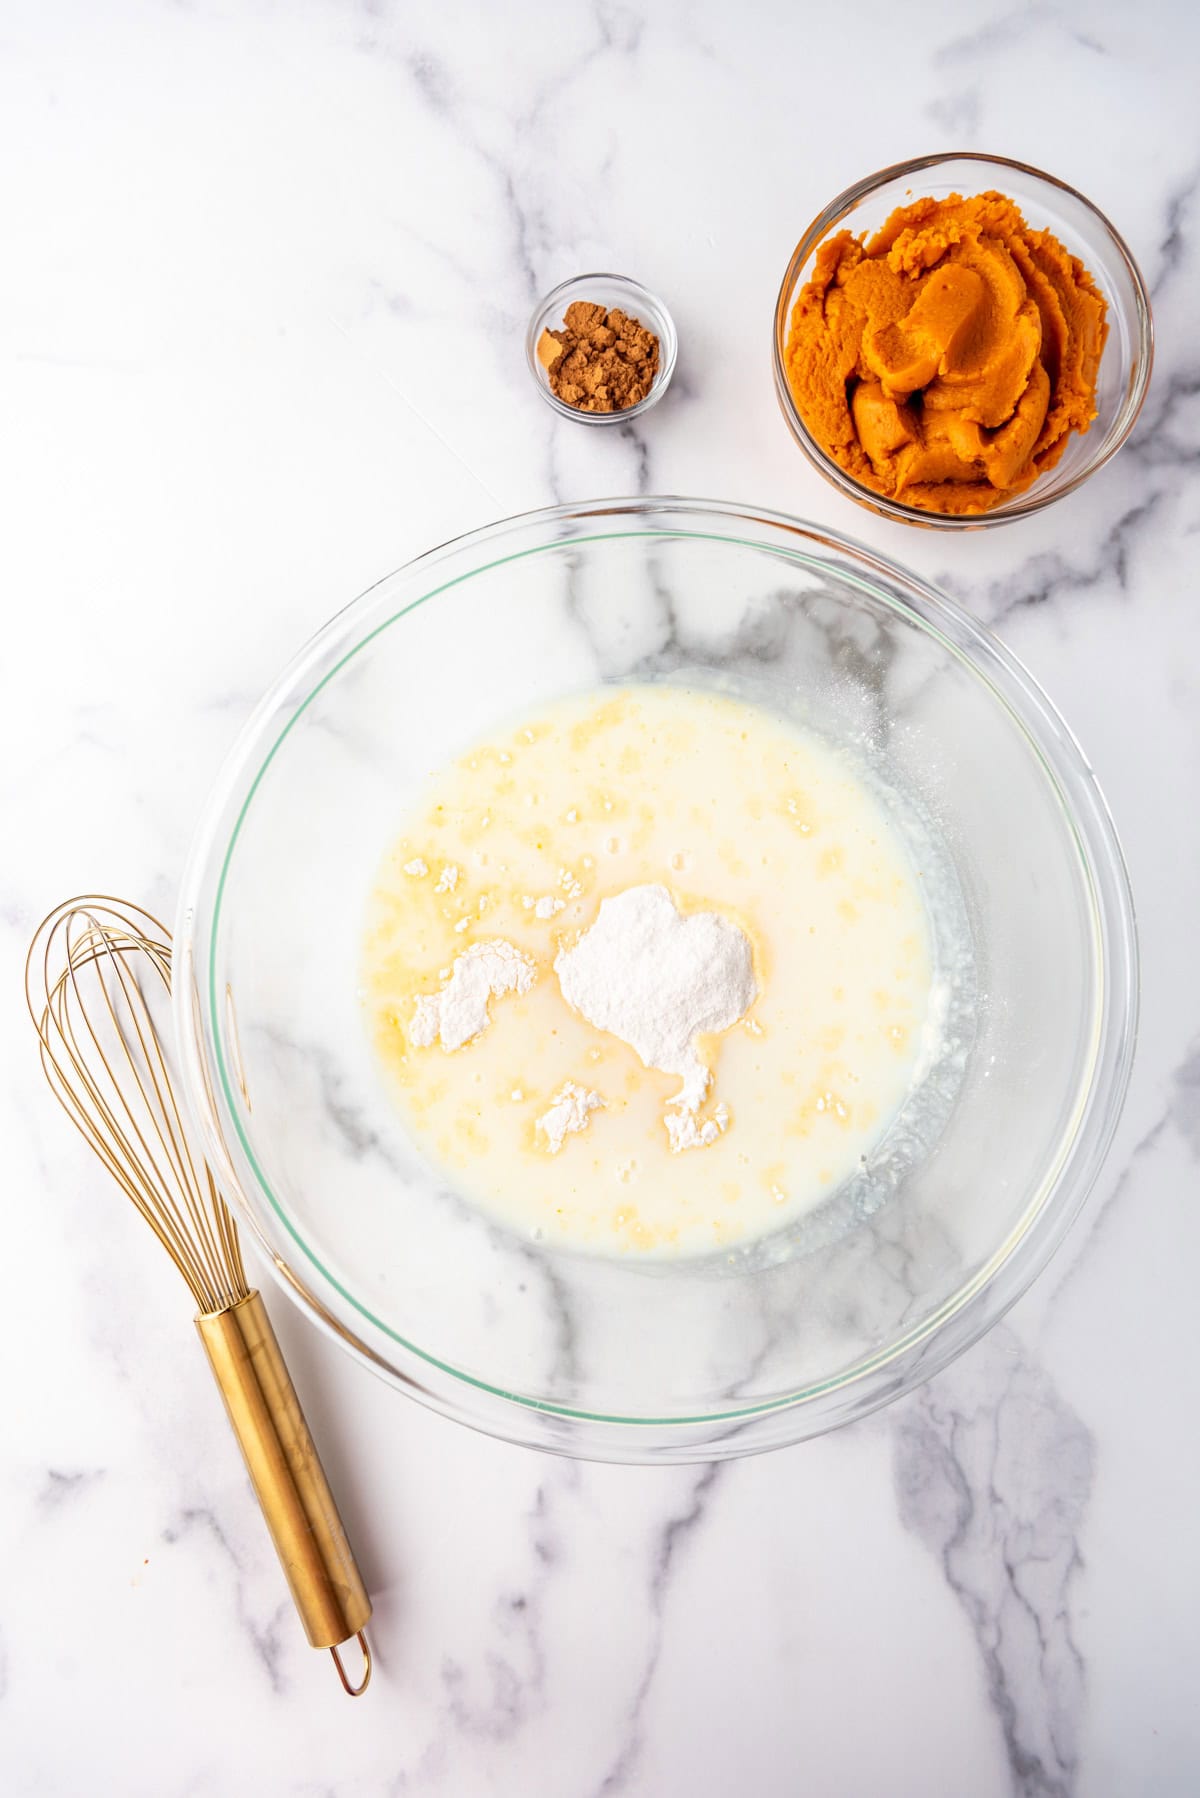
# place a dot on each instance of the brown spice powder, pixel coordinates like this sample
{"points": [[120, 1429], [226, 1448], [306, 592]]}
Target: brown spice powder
{"points": [[600, 361]]}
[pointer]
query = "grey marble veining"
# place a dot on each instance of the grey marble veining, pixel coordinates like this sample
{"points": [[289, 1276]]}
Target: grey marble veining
{"points": [[267, 278], [993, 1474]]}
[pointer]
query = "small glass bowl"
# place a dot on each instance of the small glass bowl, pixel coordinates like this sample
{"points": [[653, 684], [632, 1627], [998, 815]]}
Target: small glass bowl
{"points": [[607, 291], [1128, 354]]}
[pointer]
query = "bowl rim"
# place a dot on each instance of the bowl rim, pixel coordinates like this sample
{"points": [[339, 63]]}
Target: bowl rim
{"points": [[939, 1338], [668, 348], [1031, 501]]}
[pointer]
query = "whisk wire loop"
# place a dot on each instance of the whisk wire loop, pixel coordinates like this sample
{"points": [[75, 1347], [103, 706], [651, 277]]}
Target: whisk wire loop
{"points": [[104, 1059]]}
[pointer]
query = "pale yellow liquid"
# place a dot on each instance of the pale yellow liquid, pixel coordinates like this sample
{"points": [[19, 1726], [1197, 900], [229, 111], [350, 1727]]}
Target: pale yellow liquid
{"points": [[733, 812]]}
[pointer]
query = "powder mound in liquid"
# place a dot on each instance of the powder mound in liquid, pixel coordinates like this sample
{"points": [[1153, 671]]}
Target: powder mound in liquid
{"points": [[658, 980], [569, 1111], [460, 1011], [685, 1133]]}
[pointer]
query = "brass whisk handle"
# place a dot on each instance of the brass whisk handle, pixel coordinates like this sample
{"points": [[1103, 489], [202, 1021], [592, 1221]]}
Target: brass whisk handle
{"points": [[287, 1475]]}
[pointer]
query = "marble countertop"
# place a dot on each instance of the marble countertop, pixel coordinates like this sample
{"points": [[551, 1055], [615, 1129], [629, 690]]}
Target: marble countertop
{"points": [[267, 271]]}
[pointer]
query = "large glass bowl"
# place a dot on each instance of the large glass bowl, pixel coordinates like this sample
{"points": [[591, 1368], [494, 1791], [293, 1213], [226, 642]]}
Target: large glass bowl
{"points": [[624, 1358]]}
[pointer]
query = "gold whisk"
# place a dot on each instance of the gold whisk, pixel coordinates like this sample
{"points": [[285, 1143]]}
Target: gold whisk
{"points": [[97, 973]]}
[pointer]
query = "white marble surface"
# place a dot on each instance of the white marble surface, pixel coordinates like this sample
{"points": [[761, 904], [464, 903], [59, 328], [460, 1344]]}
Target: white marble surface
{"points": [[266, 271]]}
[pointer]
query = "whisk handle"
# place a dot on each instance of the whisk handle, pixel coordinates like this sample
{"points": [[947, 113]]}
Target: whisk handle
{"points": [[285, 1471]]}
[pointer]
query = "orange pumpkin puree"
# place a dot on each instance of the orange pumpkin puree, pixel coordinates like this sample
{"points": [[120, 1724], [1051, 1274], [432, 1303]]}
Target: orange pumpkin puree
{"points": [[944, 361]]}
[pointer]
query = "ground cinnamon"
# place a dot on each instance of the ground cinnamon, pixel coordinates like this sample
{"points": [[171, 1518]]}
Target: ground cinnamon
{"points": [[600, 361]]}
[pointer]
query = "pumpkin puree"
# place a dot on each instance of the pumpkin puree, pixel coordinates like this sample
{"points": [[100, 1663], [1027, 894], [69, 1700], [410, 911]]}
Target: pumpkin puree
{"points": [[945, 361]]}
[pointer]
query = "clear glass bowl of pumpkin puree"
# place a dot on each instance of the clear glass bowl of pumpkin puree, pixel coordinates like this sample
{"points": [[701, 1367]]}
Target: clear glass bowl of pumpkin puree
{"points": [[1046, 204]]}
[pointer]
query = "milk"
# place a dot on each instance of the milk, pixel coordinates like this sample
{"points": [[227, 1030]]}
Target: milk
{"points": [[734, 812]]}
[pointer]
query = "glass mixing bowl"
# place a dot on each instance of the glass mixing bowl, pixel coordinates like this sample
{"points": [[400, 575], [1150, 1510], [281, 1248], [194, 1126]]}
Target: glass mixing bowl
{"points": [[614, 1357], [1047, 204]]}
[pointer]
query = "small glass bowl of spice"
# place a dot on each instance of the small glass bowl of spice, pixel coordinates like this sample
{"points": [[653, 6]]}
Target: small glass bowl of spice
{"points": [[601, 349]]}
